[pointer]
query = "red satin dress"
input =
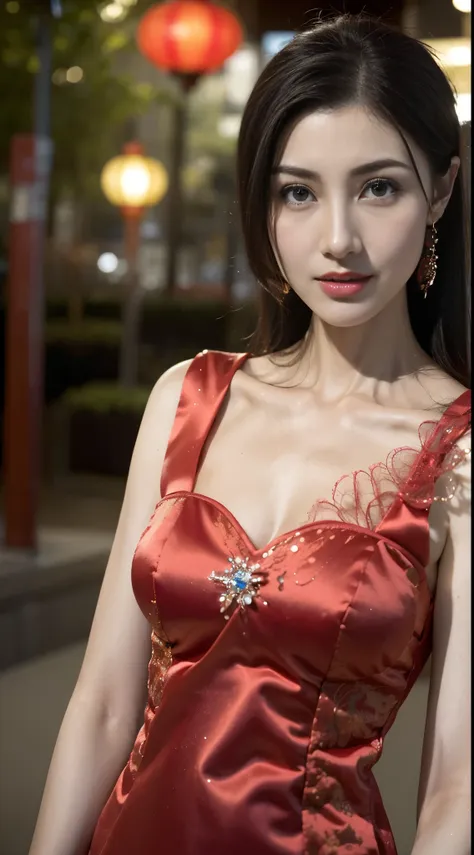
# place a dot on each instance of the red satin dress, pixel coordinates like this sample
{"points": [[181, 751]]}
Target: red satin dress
{"points": [[264, 720]]}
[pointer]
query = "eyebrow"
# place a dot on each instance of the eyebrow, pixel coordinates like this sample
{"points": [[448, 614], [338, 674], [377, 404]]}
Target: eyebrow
{"points": [[363, 169]]}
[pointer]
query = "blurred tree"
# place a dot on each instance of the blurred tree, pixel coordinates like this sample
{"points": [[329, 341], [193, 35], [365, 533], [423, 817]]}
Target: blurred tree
{"points": [[209, 176], [209, 151], [91, 99]]}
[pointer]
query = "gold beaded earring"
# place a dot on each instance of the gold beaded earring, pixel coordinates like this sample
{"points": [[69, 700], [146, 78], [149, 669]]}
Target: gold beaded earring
{"points": [[428, 265], [285, 288]]}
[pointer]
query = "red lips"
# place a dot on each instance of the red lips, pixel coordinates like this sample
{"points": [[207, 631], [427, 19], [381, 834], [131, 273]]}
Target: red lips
{"points": [[348, 276]]}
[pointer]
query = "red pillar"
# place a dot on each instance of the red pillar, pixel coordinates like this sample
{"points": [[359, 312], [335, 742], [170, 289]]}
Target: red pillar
{"points": [[29, 171]]}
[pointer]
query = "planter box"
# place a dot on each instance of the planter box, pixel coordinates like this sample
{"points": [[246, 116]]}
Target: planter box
{"points": [[75, 363], [102, 443]]}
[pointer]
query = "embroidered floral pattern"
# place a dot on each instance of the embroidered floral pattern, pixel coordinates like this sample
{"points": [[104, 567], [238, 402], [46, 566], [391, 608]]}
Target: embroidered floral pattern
{"points": [[158, 667], [350, 713], [329, 815], [160, 662], [345, 744], [322, 789], [336, 840]]}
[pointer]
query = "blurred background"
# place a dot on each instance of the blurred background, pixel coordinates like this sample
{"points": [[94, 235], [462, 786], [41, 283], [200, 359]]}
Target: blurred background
{"points": [[121, 254]]}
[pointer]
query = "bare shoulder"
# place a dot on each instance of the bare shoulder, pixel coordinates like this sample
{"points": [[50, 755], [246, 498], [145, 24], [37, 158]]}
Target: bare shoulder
{"points": [[167, 389], [155, 430], [447, 391], [440, 386], [163, 401]]}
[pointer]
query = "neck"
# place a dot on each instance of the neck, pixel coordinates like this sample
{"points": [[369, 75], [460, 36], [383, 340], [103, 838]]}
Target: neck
{"points": [[342, 360]]}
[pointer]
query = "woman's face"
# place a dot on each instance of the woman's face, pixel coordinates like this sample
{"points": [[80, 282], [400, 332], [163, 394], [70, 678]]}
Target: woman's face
{"points": [[347, 200]]}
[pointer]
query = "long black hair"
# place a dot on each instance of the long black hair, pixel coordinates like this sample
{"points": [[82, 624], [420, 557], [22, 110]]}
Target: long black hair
{"points": [[357, 59]]}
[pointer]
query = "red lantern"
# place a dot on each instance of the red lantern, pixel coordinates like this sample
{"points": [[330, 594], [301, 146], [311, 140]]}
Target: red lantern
{"points": [[188, 37]]}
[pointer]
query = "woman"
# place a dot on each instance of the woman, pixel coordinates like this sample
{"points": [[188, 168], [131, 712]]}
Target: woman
{"points": [[287, 630]]}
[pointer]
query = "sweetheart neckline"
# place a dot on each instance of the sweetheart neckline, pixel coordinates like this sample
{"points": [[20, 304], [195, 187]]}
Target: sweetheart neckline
{"points": [[418, 453], [362, 530]]}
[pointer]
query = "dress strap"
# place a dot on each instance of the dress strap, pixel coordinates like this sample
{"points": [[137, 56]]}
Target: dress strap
{"points": [[456, 419], [439, 444], [205, 386], [438, 455]]}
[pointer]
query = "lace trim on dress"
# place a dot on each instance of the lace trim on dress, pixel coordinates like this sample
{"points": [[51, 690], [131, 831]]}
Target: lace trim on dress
{"points": [[364, 497]]}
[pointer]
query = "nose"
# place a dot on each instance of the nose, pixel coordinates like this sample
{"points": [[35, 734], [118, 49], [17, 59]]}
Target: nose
{"points": [[339, 235]]}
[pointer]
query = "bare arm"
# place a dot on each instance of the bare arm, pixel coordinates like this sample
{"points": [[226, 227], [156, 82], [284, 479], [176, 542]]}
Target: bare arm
{"points": [[102, 717], [444, 801]]}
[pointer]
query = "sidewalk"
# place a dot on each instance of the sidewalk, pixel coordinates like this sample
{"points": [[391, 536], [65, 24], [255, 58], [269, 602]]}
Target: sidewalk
{"points": [[79, 501], [33, 700], [47, 599], [43, 600]]}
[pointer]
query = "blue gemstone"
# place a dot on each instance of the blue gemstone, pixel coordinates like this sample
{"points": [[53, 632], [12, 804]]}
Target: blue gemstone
{"points": [[240, 583]]}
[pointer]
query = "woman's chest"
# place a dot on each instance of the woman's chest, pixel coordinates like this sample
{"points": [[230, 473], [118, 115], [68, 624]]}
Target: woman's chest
{"points": [[310, 592], [275, 473]]}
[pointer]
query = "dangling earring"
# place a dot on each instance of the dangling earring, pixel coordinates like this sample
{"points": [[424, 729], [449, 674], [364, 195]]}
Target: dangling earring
{"points": [[429, 261], [285, 288]]}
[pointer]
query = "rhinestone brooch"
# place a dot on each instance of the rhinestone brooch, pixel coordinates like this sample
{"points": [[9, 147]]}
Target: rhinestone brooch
{"points": [[241, 583]]}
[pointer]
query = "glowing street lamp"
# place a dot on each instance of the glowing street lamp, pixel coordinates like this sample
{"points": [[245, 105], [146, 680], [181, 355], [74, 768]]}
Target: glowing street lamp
{"points": [[462, 5], [132, 182], [115, 11]]}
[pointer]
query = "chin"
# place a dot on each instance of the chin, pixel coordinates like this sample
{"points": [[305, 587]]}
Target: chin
{"points": [[346, 312], [346, 320]]}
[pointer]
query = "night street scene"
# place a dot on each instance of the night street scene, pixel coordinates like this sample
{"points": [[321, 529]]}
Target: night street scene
{"points": [[234, 275]]}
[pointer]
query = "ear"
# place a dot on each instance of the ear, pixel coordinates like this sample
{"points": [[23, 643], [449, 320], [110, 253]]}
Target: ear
{"points": [[443, 188]]}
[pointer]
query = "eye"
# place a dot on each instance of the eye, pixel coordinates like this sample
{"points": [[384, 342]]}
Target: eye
{"points": [[381, 188], [301, 195]]}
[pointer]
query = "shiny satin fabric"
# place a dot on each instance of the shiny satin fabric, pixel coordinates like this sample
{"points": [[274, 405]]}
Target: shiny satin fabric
{"points": [[261, 730]]}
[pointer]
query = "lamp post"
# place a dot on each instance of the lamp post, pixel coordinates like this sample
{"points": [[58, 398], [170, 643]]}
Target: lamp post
{"points": [[30, 166], [188, 38], [132, 182]]}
